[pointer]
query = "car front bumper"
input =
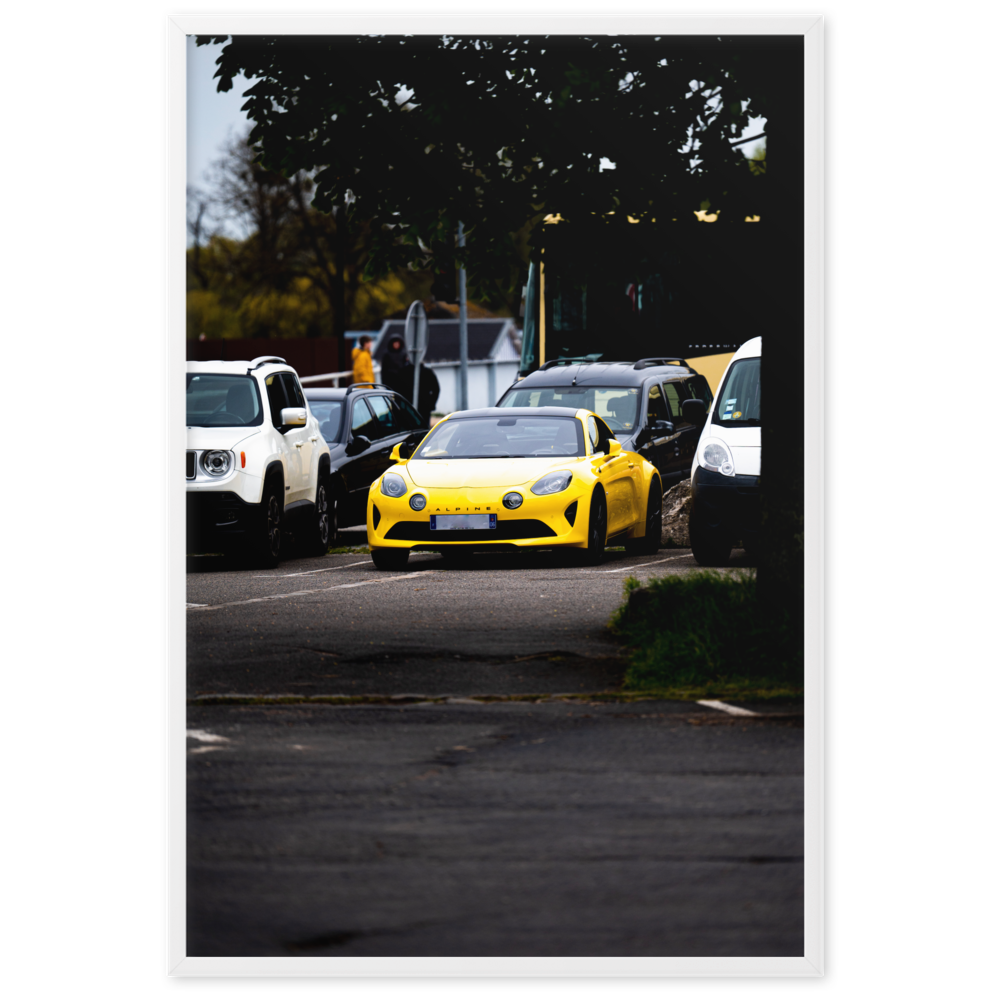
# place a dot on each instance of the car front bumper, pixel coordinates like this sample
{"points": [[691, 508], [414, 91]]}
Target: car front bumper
{"points": [[727, 505], [217, 519], [559, 519]]}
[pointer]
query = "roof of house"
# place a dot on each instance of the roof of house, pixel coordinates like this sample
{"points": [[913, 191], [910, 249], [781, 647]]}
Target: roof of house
{"points": [[489, 339]]}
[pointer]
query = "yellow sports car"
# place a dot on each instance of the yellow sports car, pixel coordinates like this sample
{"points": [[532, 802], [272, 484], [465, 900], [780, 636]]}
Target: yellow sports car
{"points": [[515, 477]]}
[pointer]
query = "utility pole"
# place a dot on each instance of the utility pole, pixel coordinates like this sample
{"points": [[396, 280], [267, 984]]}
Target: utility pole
{"points": [[463, 334]]}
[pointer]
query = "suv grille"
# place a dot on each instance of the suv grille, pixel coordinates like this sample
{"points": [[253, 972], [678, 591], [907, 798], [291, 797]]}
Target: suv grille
{"points": [[190, 465]]}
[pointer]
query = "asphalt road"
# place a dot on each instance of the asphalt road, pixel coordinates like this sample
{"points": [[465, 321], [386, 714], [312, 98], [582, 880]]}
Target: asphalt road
{"points": [[454, 827], [511, 623], [499, 829]]}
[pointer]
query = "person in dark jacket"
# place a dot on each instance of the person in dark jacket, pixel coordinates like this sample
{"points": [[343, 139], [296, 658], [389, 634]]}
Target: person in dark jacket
{"points": [[430, 389], [397, 372]]}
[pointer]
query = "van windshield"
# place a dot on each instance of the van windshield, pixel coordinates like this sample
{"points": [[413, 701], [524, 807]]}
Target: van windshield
{"points": [[738, 401]]}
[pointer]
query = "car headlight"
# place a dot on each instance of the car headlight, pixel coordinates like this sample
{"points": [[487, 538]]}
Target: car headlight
{"points": [[217, 463], [393, 485], [512, 500], [715, 456], [554, 482], [418, 501]]}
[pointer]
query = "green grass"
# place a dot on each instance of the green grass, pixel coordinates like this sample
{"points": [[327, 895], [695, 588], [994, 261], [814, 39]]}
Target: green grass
{"points": [[348, 550], [707, 632]]}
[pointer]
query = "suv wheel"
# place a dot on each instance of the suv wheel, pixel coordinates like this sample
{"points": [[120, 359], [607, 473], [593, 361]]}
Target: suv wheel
{"points": [[319, 540], [269, 529], [649, 544]]}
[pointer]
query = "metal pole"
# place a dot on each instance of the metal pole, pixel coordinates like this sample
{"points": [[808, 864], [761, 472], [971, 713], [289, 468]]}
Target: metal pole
{"points": [[463, 333]]}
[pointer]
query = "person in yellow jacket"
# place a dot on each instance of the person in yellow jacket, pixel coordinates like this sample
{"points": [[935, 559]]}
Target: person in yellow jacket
{"points": [[362, 358]]}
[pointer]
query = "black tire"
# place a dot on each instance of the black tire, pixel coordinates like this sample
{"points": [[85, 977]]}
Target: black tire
{"points": [[597, 529], [708, 545], [649, 544], [318, 537], [267, 549], [390, 558]]}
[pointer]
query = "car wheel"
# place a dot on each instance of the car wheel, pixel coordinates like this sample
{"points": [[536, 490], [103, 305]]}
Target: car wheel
{"points": [[390, 558], [269, 530], [597, 529], [708, 545], [319, 540], [649, 544]]}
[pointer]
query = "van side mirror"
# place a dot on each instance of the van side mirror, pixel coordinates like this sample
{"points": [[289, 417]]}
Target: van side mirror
{"points": [[694, 411]]}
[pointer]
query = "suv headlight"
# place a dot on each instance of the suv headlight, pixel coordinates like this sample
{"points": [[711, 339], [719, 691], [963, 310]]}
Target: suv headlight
{"points": [[554, 482], [715, 456], [217, 463], [393, 485]]}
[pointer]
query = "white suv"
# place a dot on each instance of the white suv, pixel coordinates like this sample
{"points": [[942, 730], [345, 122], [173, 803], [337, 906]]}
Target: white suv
{"points": [[256, 461]]}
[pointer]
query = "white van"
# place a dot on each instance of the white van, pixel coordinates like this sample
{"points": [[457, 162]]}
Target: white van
{"points": [[725, 474]]}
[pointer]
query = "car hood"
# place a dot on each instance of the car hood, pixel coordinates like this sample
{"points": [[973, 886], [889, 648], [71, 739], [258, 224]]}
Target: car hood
{"points": [[221, 438], [461, 473]]}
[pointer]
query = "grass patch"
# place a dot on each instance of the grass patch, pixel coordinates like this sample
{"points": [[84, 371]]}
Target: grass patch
{"points": [[348, 550], [708, 632]]}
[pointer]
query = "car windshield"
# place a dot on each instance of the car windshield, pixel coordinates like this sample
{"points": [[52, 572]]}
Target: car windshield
{"points": [[738, 401], [617, 406], [504, 437], [327, 412], [223, 401]]}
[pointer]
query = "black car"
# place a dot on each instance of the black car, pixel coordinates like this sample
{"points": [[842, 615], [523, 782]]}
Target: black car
{"points": [[655, 406], [361, 424]]}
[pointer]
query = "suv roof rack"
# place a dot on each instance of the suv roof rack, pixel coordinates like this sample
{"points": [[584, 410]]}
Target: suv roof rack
{"points": [[652, 362], [365, 385], [586, 359], [265, 359]]}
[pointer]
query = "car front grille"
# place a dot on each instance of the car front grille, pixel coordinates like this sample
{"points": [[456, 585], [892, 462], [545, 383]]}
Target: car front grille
{"points": [[505, 531]]}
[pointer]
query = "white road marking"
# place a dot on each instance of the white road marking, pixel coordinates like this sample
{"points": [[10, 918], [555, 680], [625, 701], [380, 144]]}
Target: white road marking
{"points": [[317, 590], [190, 605], [203, 749], [206, 737], [723, 707], [328, 569], [621, 569]]}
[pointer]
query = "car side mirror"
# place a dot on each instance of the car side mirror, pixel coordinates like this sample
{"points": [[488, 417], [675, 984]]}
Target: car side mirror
{"points": [[403, 451], [614, 447], [293, 416], [662, 427], [694, 411], [358, 444]]}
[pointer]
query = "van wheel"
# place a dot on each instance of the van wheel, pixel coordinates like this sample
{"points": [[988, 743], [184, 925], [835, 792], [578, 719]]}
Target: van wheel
{"points": [[709, 548]]}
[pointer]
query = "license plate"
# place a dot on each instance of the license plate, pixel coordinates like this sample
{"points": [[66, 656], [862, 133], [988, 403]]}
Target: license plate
{"points": [[462, 522]]}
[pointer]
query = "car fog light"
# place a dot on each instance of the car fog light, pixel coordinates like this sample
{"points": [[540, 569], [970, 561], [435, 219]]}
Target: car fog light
{"points": [[217, 463], [418, 501], [513, 500]]}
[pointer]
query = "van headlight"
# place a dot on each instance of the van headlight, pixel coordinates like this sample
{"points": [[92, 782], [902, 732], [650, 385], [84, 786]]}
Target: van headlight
{"points": [[715, 456]]}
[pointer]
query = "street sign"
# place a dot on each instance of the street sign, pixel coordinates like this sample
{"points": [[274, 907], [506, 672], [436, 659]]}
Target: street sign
{"points": [[415, 338]]}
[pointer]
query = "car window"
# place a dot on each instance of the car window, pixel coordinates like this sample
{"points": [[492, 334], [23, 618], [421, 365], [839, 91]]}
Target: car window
{"points": [[362, 421], [738, 401], [223, 401], [656, 408], [503, 437], [700, 389], [275, 398], [327, 412], [676, 393], [380, 407], [604, 436], [593, 434], [292, 390], [407, 418], [617, 405]]}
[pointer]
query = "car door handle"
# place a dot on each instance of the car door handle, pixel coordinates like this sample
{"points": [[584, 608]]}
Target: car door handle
{"points": [[298, 444], [631, 465], [315, 437]]}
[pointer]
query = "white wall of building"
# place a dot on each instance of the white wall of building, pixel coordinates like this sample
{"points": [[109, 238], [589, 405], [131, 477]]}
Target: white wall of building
{"points": [[487, 382]]}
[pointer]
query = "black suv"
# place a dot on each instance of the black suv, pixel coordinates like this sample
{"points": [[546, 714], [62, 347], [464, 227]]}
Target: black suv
{"points": [[361, 424], [655, 406]]}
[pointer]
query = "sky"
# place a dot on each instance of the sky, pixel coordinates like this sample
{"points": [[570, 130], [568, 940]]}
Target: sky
{"points": [[213, 117]]}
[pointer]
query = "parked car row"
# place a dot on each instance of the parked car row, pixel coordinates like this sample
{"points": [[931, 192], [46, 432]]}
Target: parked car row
{"points": [[574, 455]]}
